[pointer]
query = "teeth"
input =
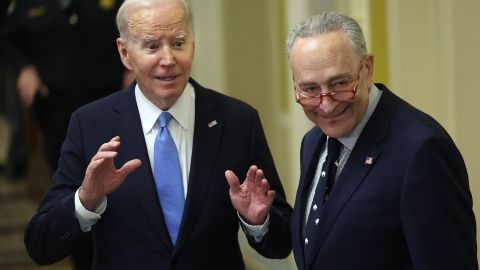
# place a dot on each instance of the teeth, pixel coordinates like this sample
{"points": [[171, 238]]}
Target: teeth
{"points": [[167, 78]]}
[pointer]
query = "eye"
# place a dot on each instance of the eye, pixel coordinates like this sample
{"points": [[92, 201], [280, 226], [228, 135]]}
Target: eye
{"points": [[178, 43], [309, 89], [341, 85], [150, 46]]}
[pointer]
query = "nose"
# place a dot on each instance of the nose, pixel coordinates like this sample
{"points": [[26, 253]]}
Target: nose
{"points": [[167, 58], [327, 104]]}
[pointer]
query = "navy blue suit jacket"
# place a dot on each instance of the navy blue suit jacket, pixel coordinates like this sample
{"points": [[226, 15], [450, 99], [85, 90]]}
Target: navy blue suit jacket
{"points": [[132, 233], [411, 208]]}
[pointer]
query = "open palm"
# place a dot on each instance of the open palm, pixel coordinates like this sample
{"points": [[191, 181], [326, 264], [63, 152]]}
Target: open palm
{"points": [[253, 198]]}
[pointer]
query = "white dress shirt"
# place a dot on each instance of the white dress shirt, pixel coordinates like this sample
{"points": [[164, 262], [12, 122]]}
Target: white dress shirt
{"points": [[181, 129]]}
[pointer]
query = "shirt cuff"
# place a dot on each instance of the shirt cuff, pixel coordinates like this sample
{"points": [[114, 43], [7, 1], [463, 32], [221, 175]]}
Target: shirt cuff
{"points": [[255, 231], [87, 218]]}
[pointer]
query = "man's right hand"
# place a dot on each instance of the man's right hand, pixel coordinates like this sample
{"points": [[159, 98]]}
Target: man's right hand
{"points": [[101, 177], [28, 84]]}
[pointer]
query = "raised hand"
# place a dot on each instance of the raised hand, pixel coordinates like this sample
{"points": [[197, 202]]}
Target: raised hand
{"points": [[101, 177], [253, 198]]}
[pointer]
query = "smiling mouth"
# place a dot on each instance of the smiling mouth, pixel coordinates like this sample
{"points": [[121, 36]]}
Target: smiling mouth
{"points": [[166, 78], [331, 116]]}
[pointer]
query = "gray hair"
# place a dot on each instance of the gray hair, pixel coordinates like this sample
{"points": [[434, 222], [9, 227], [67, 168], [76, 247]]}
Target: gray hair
{"points": [[128, 5], [325, 23]]}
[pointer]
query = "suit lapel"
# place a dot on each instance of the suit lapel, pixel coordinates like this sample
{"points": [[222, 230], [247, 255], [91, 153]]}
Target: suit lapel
{"points": [[127, 124], [206, 146], [349, 180], [356, 169]]}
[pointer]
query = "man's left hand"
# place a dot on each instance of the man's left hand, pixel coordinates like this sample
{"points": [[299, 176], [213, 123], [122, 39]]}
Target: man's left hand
{"points": [[253, 198]]}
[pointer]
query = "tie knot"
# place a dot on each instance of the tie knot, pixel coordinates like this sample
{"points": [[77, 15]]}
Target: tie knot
{"points": [[333, 146], [164, 119]]}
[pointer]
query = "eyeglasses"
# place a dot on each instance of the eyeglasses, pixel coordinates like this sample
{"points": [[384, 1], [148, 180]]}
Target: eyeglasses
{"points": [[343, 92]]}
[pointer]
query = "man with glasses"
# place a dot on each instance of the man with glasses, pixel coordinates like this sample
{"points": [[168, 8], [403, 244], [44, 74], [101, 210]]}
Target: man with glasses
{"points": [[382, 184]]}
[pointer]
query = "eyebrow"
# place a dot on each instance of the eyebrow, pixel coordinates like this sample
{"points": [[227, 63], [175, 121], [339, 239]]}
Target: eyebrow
{"points": [[328, 81]]}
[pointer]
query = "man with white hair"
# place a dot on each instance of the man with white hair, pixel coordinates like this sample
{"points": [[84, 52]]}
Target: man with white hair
{"points": [[158, 153], [382, 184]]}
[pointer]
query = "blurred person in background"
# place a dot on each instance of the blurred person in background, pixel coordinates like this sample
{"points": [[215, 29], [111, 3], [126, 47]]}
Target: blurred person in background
{"points": [[64, 55], [14, 166]]}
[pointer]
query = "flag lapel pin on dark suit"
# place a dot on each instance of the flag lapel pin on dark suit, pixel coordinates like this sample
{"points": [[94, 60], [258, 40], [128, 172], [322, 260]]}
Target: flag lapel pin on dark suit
{"points": [[369, 161]]}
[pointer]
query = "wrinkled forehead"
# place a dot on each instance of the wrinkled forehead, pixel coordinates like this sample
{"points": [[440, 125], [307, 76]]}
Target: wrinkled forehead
{"points": [[323, 49], [322, 58], [158, 18]]}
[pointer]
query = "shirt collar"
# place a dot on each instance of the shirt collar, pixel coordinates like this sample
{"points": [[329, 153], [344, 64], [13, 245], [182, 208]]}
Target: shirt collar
{"points": [[180, 110], [350, 140]]}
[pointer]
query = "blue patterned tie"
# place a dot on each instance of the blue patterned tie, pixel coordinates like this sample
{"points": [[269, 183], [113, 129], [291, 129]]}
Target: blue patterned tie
{"points": [[324, 186], [168, 177]]}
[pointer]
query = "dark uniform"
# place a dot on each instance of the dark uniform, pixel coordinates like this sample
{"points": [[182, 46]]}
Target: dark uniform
{"points": [[15, 162], [72, 45]]}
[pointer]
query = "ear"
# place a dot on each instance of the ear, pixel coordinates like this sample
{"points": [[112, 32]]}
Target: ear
{"points": [[369, 60], [123, 52]]}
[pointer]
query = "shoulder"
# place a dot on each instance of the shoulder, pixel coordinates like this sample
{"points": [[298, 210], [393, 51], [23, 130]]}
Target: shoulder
{"points": [[413, 120], [407, 126], [115, 102]]}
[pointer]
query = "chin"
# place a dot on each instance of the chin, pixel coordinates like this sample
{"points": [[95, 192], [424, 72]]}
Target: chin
{"points": [[334, 131]]}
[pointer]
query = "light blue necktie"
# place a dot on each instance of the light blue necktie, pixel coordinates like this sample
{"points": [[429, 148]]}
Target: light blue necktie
{"points": [[168, 177]]}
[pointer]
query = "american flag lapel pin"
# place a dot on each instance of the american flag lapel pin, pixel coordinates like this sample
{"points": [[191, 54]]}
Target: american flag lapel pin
{"points": [[369, 161], [212, 123]]}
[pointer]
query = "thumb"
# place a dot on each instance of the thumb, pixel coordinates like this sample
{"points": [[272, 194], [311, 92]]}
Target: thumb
{"points": [[233, 181], [129, 167]]}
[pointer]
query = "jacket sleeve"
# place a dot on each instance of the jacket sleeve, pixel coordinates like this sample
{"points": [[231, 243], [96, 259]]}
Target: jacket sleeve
{"points": [[53, 231], [277, 242], [436, 208]]}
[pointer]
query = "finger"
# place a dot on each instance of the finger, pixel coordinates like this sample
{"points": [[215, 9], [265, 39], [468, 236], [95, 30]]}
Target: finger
{"points": [[94, 164], [251, 173], [129, 167], [233, 181], [259, 176], [271, 195], [93, 170], [113, 144], [264, 186], [104, 155], [249, 182]]}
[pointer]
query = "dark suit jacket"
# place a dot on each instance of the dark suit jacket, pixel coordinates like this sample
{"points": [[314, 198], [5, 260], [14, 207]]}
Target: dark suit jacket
{"points": [[132, 233], [410, 209]]}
